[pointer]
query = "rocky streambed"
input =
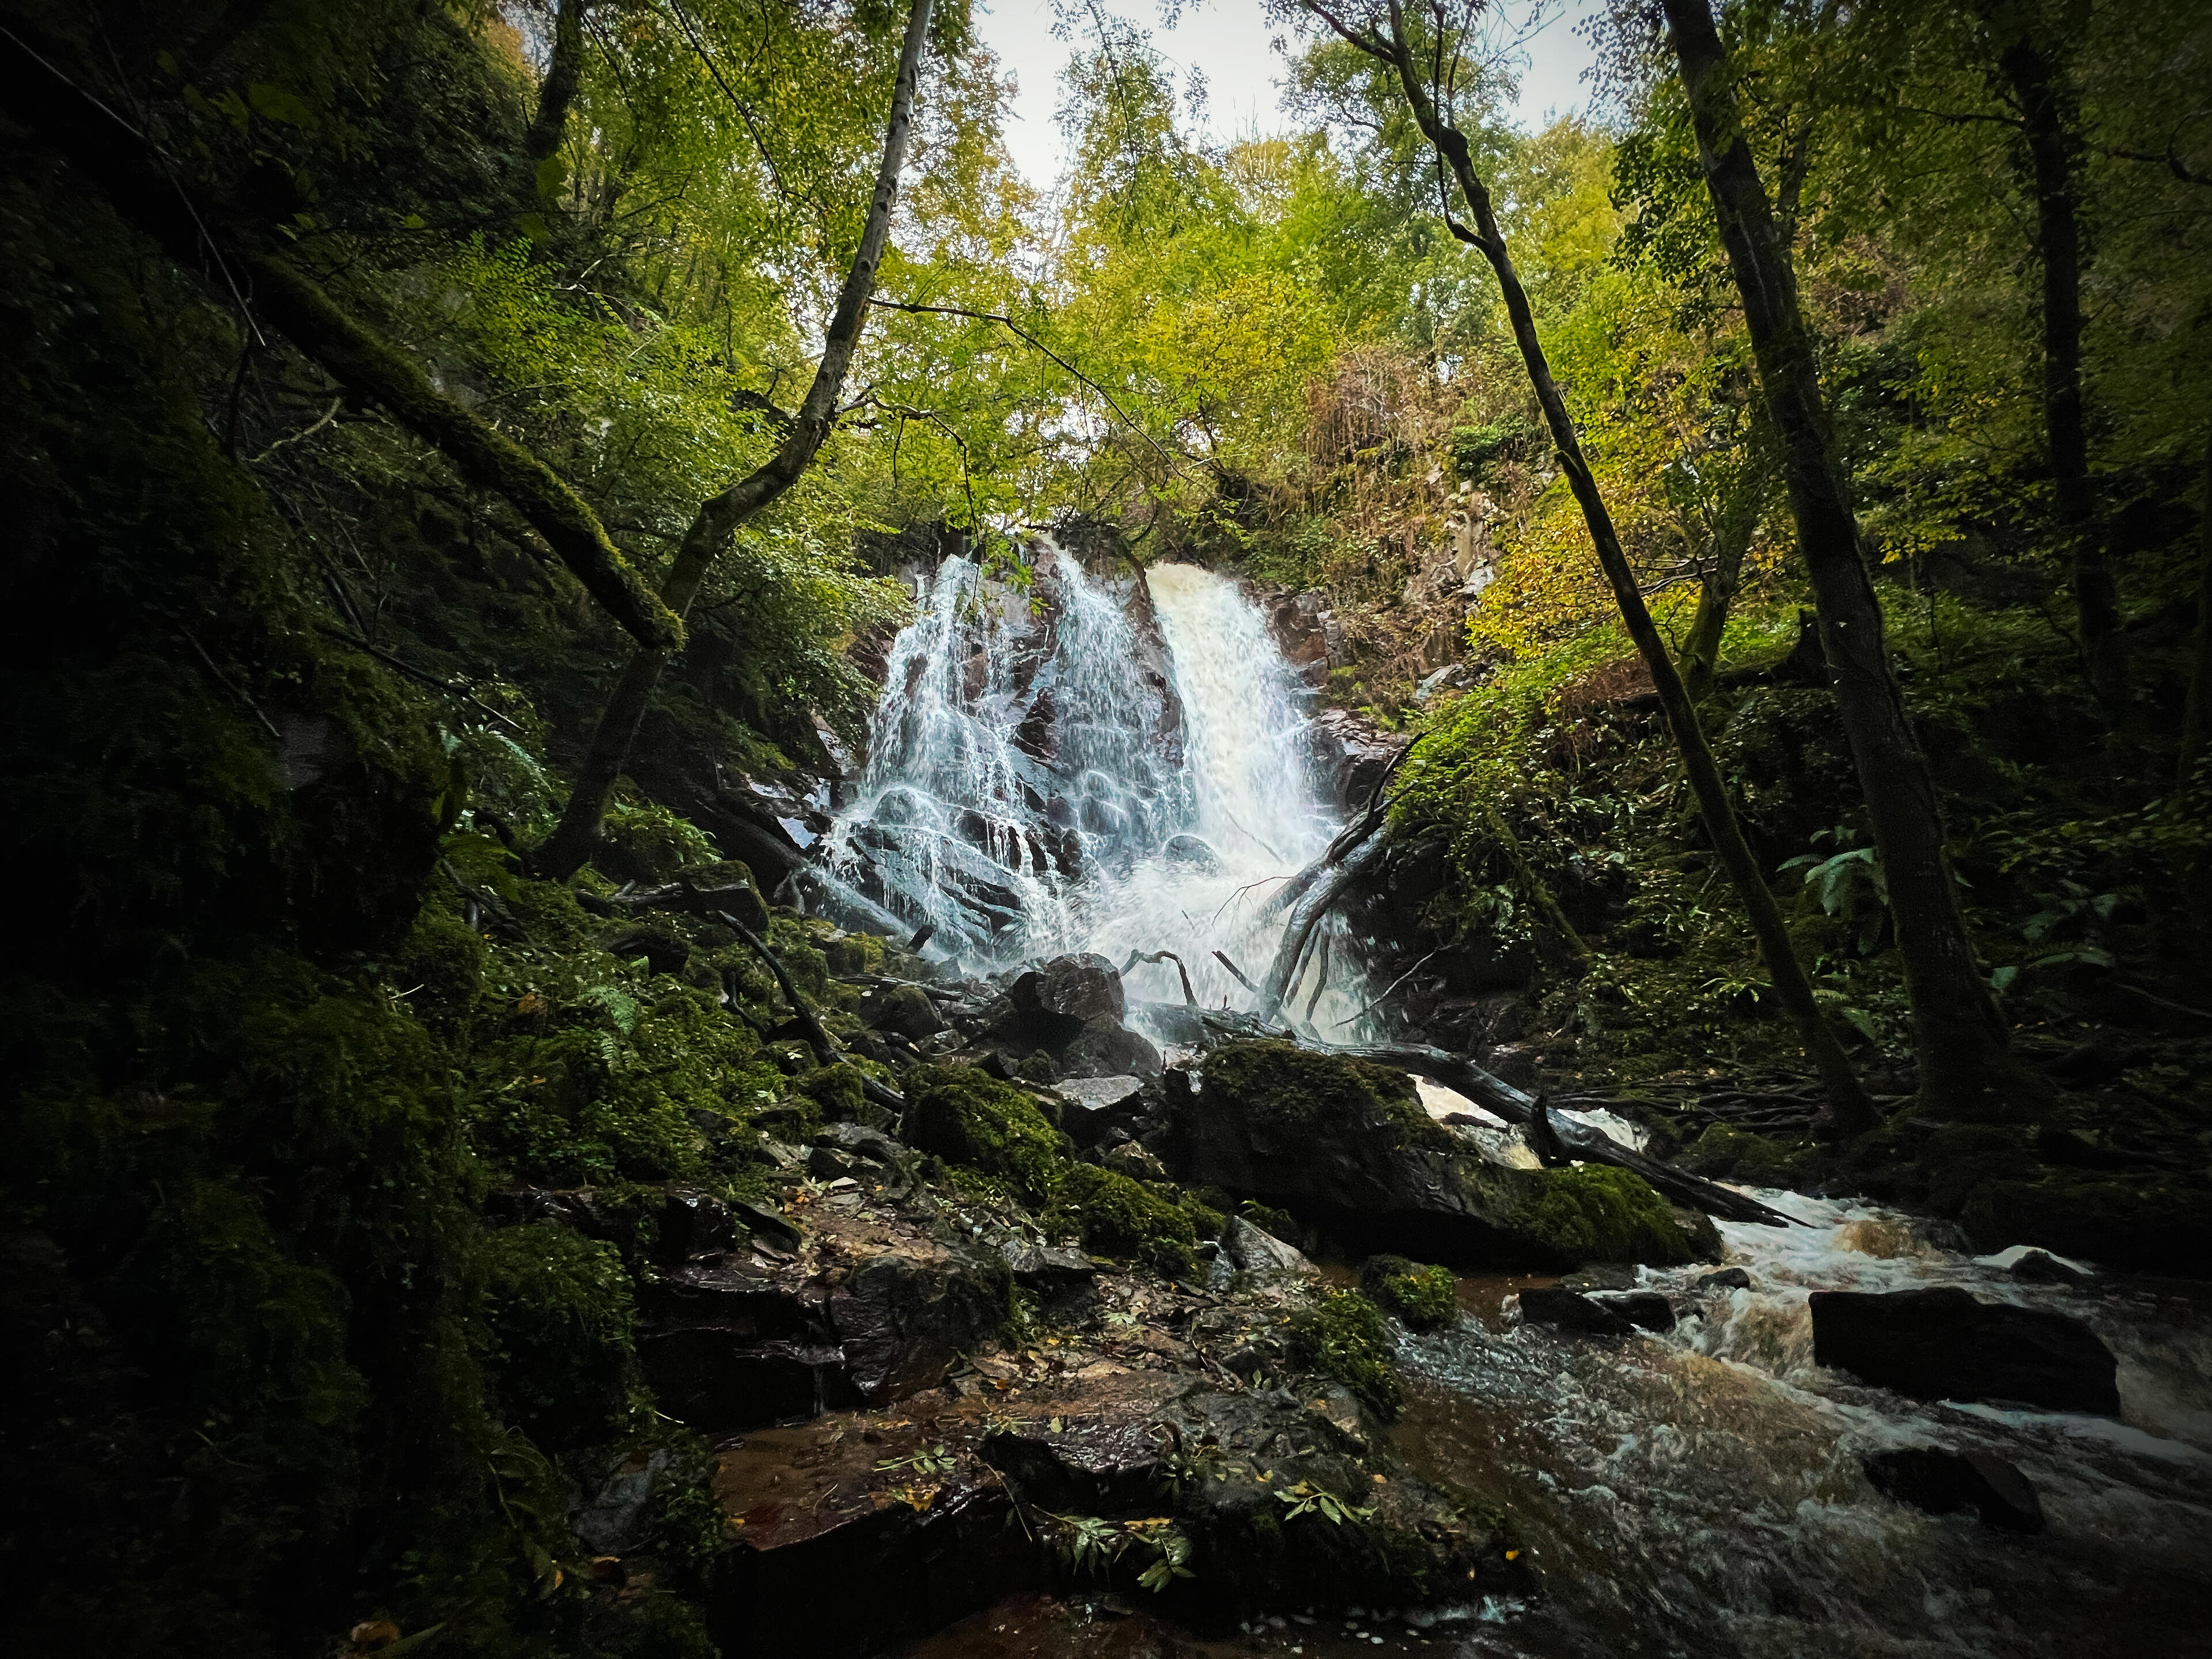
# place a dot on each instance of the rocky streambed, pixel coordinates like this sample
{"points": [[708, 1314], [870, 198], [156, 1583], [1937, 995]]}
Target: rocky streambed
{"points": [[1078, 1367]]}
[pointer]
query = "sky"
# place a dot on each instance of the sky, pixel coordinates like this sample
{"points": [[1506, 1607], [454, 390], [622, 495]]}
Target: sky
{"points": [[1228, 40]]}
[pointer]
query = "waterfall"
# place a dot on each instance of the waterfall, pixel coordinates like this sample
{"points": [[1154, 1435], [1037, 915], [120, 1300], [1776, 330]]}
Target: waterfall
{"points": [[1071, 762]]}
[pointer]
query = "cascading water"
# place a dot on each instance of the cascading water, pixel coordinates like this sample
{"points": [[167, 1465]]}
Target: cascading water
{"points": [[1117, 766]]}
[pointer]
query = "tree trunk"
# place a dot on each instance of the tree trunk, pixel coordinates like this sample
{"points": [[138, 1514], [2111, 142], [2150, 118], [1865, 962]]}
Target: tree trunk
{"points": [[1965, 1068], [576, 838], [2197, 712], [1850, 1110], [2046, 120], [563, 75], [1734, 527]]}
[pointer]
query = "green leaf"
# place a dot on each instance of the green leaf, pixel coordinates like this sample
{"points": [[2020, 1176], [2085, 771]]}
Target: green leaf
{"points": [[273, 103]]}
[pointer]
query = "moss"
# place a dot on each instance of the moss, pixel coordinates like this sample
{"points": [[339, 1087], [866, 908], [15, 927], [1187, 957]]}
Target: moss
{"points": [[1205, 1220], [1723, 1153], [1293, 1091], [1594, 1213], [1343, 1337], [834, 1092], [1268, 1219], [1117, 1216], [560, 1314], [1423, 1297], [855, 953], [965, 1114]]}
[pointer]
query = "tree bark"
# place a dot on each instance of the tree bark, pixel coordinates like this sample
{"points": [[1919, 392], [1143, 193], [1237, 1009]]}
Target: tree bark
{"points": [[2197, 712], [2047, 123], [1849, 1109], [564, 73], [1734, 527], [576, 838], [1967, 1069]]}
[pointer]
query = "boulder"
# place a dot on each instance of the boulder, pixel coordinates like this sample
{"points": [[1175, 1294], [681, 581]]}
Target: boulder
{"points": [[1943, 1344], [901, 1010], [1092, 1105], [1133, 1160], [1252, 1250], [1728, 1279], [1570, 1310], [1346, 1144], [862, 1141], [1076, 989], [1932, 1479], [2041, 1267], [1192, 850], [1106, 1047]]}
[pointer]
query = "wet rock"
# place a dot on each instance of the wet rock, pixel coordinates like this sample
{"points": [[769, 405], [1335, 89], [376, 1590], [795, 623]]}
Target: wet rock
{"points": [[862, 1141], [1570, 1310], [1106, 1047], [613, 1522], [1170, 1022], [1108, 1464], [1192, 850], [1062, 1279], [1647, 1310], [1601, 1276], [1092, 1105], [1940, 1481], [2041, 1267], [765, 1224], [1728, 1279], [728, 1347], [903, 1320], [902, 1011], [1943, 1344], [1347, 1146], [1251, 1250], [1074, 988]]}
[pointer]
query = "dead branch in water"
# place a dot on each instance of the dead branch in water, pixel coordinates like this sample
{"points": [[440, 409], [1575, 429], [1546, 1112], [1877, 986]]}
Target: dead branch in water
{"points": [[1182, 973]]}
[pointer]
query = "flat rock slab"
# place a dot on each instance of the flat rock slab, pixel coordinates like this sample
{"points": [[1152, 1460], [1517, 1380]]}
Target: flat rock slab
{"points": [[1943, 1344]]}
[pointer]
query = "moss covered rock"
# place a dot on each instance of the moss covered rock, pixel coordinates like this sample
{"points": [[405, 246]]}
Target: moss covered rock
{"points": [[1422, 1298], [1117, 1216], [964, 1115], [1346, 1145], [1342, 1337]]}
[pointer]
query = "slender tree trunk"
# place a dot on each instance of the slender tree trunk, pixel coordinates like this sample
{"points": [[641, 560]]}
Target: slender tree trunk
{"points": [[576, 838], [1850, 1110], [563, 75], [1733, 529], [1965, 1068], [2046, 121]]}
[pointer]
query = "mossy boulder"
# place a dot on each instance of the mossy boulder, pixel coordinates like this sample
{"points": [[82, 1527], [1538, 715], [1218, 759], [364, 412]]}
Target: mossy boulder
{"points": [[559, 1324], [1422, 1298], [855, 953], [1346, 1145], [1117, 1216], [965, 1116], [1342, 1337], [1593, 1212]]}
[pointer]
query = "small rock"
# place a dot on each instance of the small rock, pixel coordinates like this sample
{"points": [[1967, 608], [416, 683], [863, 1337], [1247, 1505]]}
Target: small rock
{"points": [[1253, 1250], [1570, 1310], [2041, 1267], [1106, 1047], [1728, 1279], [901, 1010], [1930, 1478], [861, 1140], [1131, 1158]]}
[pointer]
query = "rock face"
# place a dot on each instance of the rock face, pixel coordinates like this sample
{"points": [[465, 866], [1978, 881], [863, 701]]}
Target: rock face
{"points": [[1945, 1345], [1930, 1478], [1347, 1146], [1106, 1047]]}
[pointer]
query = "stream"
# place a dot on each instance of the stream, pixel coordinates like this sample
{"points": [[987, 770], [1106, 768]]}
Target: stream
{"points": [[1124, 766]]}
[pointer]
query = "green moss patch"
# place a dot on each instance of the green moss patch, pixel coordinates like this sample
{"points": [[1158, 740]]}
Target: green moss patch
{"points": [[1117, 1216], [1293, 1089], [1593, 1212], [963, 1114], [1343, 1337], [1422, 1298]]}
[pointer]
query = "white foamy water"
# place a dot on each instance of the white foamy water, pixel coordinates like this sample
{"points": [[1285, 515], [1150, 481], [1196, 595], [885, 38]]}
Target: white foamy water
{"points": [[1031, 787]]}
